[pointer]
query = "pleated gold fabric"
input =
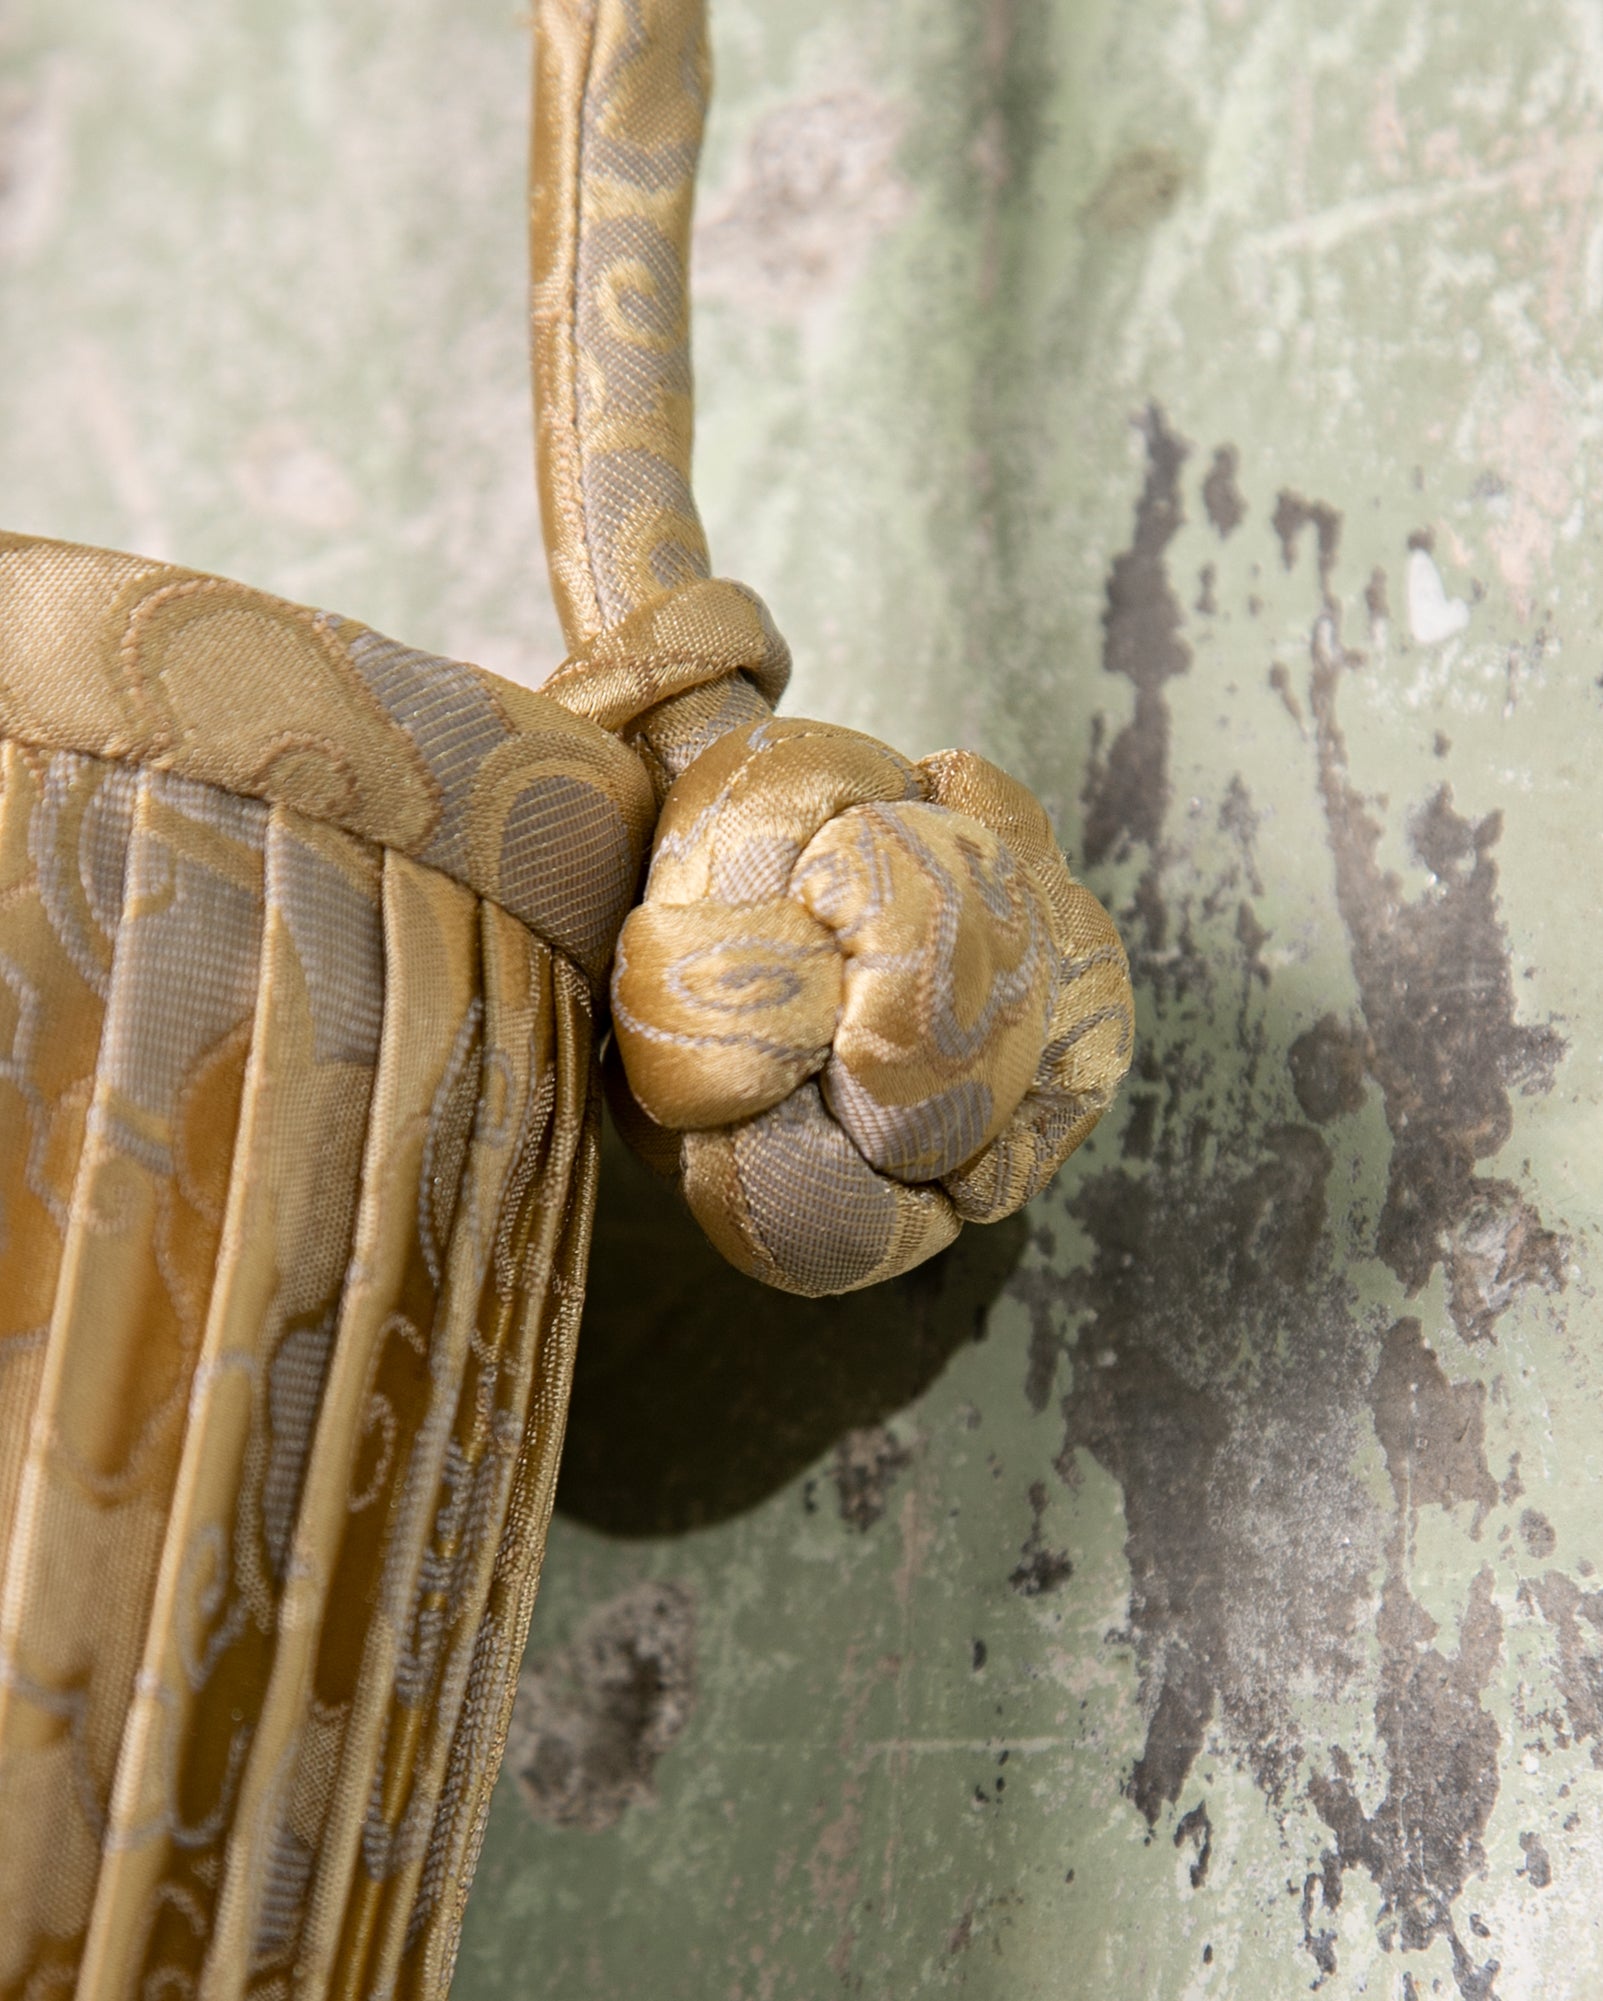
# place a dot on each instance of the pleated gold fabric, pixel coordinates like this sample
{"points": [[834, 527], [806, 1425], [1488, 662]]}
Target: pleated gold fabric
{"points": [[297, 1154]]}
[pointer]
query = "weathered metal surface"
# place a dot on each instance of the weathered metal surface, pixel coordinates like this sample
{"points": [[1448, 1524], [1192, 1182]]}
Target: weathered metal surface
{"points": [[1192, 1590]]}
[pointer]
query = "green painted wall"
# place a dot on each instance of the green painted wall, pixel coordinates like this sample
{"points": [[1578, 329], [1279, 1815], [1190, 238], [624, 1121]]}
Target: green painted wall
{"points": [[1190, 1590]]}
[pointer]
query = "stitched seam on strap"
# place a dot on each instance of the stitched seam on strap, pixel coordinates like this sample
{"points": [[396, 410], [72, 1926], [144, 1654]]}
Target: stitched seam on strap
{"points": [[572, 305]]}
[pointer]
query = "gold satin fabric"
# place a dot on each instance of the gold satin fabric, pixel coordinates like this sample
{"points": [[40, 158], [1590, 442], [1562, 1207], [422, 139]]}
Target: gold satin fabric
{"points": [[663, 652], [494, 785], [862, 1002], [297, 1155], [830, 1125], [299, 931]]}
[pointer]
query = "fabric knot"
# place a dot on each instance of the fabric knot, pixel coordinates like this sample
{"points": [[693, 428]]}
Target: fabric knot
{"points": [[685, 669], [862, 1002]]}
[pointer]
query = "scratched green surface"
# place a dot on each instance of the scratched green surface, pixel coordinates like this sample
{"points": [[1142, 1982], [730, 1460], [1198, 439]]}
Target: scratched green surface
{"points": [[1190, 1592]]}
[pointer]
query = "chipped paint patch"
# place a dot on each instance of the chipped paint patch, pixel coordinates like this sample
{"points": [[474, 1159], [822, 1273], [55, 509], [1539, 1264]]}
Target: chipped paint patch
{"points": [[1139, 189], [591, 1721], [1444, 1044], [867, 1463], [1432, 615], [1213, 1326]]}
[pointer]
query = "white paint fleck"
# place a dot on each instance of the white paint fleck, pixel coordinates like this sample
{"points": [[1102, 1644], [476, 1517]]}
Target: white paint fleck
{"points": [[1432, 615]]}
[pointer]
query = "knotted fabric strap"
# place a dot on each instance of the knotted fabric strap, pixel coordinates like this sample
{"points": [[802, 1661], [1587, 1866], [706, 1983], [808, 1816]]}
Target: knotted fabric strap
{"points": [[661, 652], [863, 1000], [676, 675], [868, 996]]}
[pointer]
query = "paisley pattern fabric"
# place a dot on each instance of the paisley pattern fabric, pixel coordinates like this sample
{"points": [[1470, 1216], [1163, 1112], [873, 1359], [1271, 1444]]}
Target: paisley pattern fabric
{"points": [[297, 1153], [621, 91]]}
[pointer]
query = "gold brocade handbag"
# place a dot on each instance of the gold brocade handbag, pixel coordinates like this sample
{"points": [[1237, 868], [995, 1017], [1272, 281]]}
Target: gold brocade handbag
{"points": [[303, 939]]}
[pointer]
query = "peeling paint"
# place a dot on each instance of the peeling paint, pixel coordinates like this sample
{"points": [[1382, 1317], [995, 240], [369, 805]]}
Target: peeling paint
{"points": [[1432, 1431], [1569, 1610], [1538, 1868], [1444, 1042], [1139, 189], [1040, 1568], [1221, 495], [867, 1463], [591, 1721], [1327, 1070], [1423, 1840], [1180, 1388], [1195, 1827], [1128, 791]]}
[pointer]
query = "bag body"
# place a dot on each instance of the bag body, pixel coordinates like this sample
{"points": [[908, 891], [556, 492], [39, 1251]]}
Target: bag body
{"points": [[298, 937]]}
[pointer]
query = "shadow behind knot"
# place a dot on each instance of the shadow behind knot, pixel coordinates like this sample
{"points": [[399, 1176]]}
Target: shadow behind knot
{"points": [[700, 1392]]}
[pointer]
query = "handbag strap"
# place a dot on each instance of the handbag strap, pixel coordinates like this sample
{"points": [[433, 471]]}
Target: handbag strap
{"points": [[661, 651], [862, 1000]]}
